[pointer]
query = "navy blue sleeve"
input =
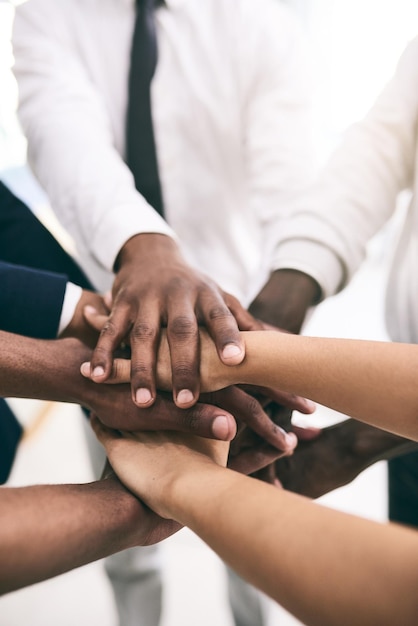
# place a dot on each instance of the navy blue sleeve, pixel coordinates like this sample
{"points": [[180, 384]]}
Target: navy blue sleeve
{"points": [[30, 301]]}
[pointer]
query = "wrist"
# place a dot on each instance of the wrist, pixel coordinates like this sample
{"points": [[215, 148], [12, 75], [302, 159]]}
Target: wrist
{"points": [[45, 369], [127, 515], [197, 493], [144, 245], [186, 487], [285, 299], [64, 360], [214, 374]]}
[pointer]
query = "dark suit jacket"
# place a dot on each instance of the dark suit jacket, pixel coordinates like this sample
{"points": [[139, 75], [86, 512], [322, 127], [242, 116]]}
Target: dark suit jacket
{"points": [[30, 299], [30, 304]]}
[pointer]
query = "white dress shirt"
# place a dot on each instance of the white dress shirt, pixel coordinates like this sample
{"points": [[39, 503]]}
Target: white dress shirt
{"points": [[356, 195], [231, 115]]}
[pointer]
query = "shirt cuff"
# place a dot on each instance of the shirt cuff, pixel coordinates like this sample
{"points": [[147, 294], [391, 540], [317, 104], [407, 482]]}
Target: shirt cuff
{"points": [[312, 259], [71, 299], [128, 221]]}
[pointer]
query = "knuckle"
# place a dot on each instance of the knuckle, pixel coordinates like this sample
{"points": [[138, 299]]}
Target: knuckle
{"points": [[139, 370], [219, 312], [230, 300], [124, 297], [252, 407], [109, 330], [182, 370], [100, 354], [179, 283], [143, 332], [184, 327], [191, 420]]}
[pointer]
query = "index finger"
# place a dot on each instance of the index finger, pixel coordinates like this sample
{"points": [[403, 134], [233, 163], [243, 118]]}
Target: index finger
{"points": [[247, 409], [111, 336], [222, 326], [289, 400]]}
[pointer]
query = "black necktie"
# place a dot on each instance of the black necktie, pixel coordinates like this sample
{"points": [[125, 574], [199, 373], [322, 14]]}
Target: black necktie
{"points": [[10, 434], [141, 154]]}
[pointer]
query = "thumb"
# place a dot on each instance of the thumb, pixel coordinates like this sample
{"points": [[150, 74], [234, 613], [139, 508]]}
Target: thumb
{"points": [[94, 318]]}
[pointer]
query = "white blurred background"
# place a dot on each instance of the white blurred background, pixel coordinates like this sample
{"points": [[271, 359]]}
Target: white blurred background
{"points": [[354, 48]]}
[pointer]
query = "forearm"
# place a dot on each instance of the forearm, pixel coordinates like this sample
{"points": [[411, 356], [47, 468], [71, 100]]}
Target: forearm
{"points": [[289, 555], [371, 381], [47, 530], [45, 370], [337, 456], [285, 299]]}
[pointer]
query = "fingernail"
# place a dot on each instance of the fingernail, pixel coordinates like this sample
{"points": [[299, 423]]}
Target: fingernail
{"points": [[85, 369], [185, 396], [90, 309], [143, 396], [98, 371], [311, 406], [291, 440], [231, 351], [220, 427]]}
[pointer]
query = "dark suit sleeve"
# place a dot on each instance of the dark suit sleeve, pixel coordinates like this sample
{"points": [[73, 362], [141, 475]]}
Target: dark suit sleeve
{"points": [[30, 301]]}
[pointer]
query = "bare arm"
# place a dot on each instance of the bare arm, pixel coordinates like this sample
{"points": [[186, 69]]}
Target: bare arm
{"points": [[50, 529], [46, 530], [324, 566], [374, 382], [155, 287]]}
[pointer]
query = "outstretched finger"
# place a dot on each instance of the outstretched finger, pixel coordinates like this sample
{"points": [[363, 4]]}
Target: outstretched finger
{"points": [[94, 318], [289, 400], [222, 326], [144, 340], [247, 409], [243, 317], [184, 345], [111, 336], [204, 420]]}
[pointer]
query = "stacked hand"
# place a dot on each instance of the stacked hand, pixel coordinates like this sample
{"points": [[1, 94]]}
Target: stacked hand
{"points": [[150, 463], [155, 291], [154, 288], [260, 439]]}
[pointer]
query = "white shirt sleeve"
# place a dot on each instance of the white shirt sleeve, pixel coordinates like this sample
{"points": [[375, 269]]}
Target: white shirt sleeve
{"points": [[70, 142], [278, 115], [71, 299], [333, 220]]}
